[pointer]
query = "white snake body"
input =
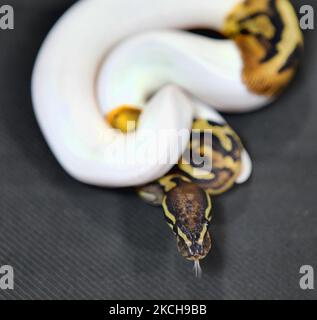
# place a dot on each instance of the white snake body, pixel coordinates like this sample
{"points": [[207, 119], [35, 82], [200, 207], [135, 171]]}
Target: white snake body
{"points": [[103, 54], [64, 91]]}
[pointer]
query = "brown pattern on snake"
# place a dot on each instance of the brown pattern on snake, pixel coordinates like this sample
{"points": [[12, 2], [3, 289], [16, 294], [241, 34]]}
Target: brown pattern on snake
{"points": [[188, 203], [270, 40]]}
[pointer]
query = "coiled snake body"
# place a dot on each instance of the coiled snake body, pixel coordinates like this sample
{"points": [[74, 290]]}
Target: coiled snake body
{"points": [[124, 60]]}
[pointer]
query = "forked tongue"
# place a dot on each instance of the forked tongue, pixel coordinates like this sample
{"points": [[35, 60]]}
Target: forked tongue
{"points": [[197, 269]]}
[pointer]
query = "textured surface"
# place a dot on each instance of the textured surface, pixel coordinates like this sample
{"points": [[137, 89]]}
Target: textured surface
{"points": [[67, 240]]}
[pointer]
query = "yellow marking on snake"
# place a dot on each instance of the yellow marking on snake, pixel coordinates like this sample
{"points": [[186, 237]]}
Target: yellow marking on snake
{"points": [[182, 235], [167, 182], [168, 214], [208, 211], [202, 234], [124, 118]]}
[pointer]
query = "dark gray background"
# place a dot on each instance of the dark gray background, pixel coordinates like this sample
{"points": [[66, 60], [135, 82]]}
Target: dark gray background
{"points": [[68, 240]]}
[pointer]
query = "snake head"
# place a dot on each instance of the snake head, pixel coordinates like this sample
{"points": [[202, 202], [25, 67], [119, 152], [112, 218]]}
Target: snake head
{"points": [[195, 249]]}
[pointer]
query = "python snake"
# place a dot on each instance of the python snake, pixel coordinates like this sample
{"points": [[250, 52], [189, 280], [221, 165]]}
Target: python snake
{"points": [[109, 62]]}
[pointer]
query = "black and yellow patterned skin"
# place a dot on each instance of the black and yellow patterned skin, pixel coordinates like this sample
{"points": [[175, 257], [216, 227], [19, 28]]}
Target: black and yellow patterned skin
{"points": [[187, 209], [185, 193], [268, 35], [223, 151]]}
